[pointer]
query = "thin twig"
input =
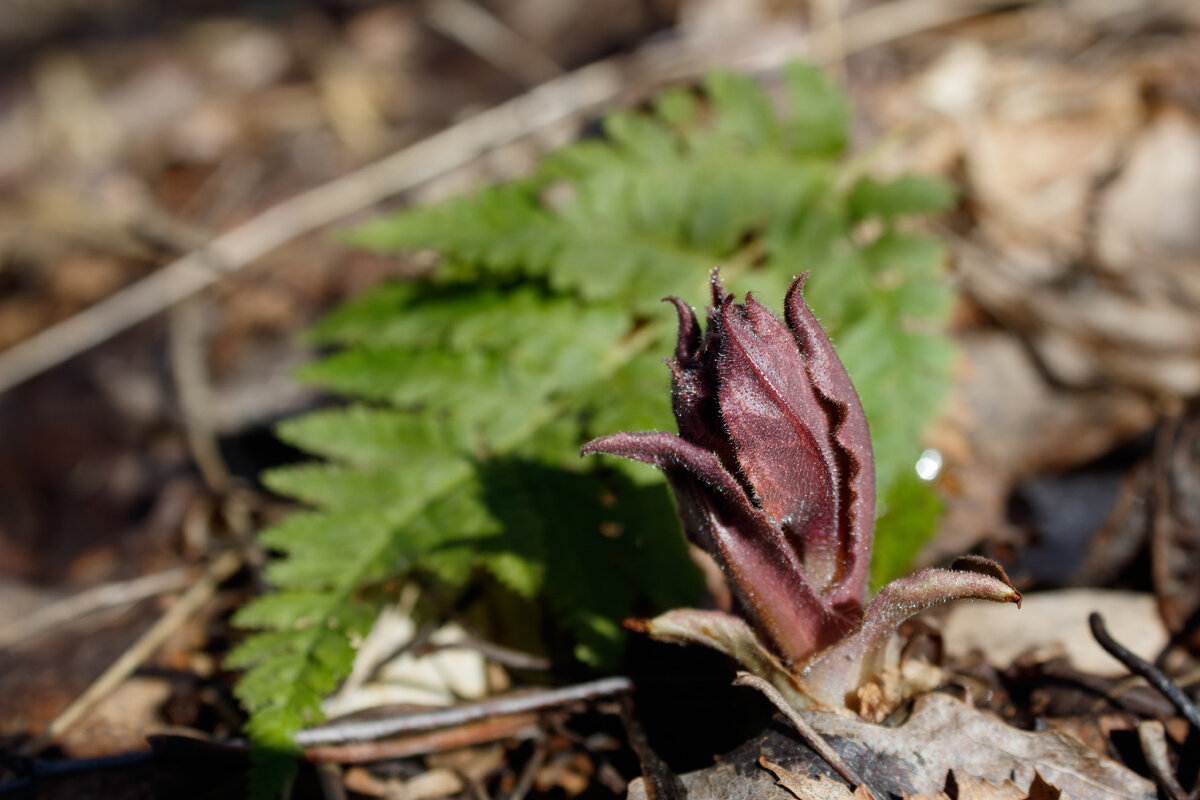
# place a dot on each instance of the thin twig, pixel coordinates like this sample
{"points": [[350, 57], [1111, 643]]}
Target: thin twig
{"points": [[1153, 738], [476, 29], [530, 772], [365, 729], [195, 396], [509, 726], [1140, 666], [569, 97], [224, 566], [807, 732], [661, 782], [99, 598]]}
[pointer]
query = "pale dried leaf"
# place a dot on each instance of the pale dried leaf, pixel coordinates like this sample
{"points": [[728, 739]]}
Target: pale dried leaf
{"points": [[1087, 185], [1055, 624], [1017, 422], [1149, 212]]}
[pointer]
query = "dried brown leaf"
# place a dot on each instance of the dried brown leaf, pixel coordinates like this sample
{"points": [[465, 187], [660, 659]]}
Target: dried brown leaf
{"points": [[942, 735], [808, 787], [1041, 789], [972, 789]]}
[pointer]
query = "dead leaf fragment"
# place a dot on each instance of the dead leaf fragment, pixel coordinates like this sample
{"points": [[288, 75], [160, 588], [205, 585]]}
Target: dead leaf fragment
{"points": [[884, 693], [121, 721], [1148, 213], [971, 789], [1041, 789], [813, 788]]}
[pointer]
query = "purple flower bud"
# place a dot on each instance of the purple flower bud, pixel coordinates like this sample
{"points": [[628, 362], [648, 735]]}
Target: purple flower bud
{"points": [[772, 468], [773, 475]]}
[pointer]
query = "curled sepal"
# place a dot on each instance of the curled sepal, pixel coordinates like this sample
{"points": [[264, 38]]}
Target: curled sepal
{"points": [[835, 673], [731, 636], [717, 516], [669, 452]]}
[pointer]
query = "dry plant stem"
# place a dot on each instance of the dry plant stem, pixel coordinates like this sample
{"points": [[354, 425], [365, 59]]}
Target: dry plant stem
{"points": [[1153, 738], [476, 29], [110, 595], [1139, 666], [193, 388], [194, 393], [511, 726], [568, 97], [811, 737], [224, 566], [362, 730]]}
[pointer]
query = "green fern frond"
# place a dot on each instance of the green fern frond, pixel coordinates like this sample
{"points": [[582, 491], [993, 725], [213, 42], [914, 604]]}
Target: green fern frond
{"points": [[542, 327]]}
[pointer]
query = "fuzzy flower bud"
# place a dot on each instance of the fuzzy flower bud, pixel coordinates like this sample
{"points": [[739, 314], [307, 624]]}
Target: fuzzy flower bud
{"points": [[773, 476]]}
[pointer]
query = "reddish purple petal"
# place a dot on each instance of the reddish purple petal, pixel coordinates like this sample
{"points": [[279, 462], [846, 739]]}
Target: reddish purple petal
{"points": [[694, 389], [767, 575], [688, 344], [781, 434], [852, 441]]}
